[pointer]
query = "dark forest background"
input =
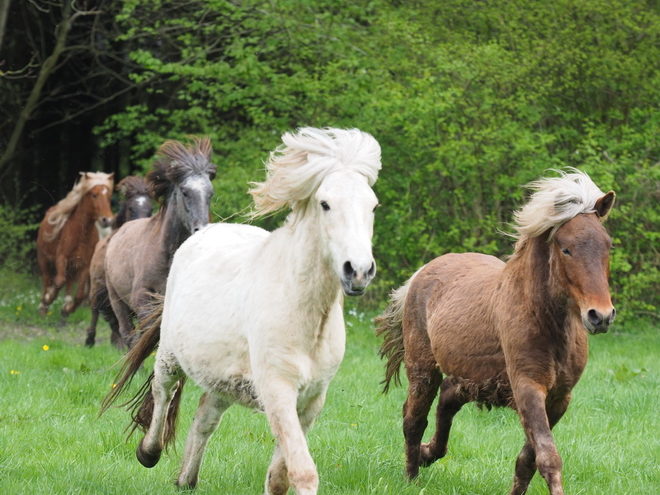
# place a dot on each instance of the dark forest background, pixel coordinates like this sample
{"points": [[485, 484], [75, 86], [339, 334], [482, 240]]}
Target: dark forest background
{"points": [[470, 100]]}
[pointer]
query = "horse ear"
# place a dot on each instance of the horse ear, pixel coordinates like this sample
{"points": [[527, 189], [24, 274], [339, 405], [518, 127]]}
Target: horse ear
{"points": [[604, 205]]}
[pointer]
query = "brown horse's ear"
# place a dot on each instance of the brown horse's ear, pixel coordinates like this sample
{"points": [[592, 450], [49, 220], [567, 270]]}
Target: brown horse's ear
{"points": [[604, 205]]}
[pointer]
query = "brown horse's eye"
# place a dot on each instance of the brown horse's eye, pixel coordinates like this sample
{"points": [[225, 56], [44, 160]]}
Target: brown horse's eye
{"points": [[94, 196], [566, 251]]}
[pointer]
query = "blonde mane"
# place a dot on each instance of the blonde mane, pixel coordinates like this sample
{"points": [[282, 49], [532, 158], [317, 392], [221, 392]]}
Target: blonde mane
{"points": [[296, 168], [555, 201], [63, 209]]}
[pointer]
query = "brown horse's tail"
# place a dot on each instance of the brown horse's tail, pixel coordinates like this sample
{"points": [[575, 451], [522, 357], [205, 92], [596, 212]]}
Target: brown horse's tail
{"points": [[142, 404], [389, 325]]}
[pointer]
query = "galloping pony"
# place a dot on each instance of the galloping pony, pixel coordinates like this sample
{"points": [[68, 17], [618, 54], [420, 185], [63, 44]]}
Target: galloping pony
{"points": [[139, 254], [135, 203], [255, 318], [67, 237], [506, 334]]}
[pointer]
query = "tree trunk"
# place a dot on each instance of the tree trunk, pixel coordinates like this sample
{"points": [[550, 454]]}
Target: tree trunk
{"points": [[46, 70], [4, 12]]}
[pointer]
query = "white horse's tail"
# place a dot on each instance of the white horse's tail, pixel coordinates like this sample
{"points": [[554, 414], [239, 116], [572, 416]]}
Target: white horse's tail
{"points": [[389, 325]]}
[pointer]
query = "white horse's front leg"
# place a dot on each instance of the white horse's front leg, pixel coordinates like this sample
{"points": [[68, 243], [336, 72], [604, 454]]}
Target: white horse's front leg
{"points": [[163, 387], [280, 399], [207, 418]]}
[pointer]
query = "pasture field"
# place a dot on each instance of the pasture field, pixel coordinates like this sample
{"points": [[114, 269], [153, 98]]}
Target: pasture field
{"points": [[53, 442]]}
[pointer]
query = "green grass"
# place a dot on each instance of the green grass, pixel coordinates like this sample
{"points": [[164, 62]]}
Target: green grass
{"points": [[51, 440]]}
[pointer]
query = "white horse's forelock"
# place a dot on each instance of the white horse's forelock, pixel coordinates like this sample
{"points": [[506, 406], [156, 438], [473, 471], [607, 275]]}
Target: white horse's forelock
{"points": [[555, 201], [296, 168]]}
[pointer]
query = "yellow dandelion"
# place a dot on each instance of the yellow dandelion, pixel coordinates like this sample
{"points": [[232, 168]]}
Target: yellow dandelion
{"points": [[50, 313], [19, 308], [114, 385], [45, 347]]}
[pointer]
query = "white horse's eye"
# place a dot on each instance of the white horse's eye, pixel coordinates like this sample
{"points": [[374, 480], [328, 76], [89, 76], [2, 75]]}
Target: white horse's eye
{"points": [[325, 206]]}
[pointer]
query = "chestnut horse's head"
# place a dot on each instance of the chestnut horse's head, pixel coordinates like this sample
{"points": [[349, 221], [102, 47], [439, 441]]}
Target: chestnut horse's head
{"points": [[568, 211], [97, 202], [581, 253]]}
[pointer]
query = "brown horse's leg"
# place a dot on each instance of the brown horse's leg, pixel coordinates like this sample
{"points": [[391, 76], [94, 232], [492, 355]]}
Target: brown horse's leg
{"points": [[526, 462], [530, 399], [423, 387], [82, 291], [91, 330], [122, 313], [47, 279], [449, 404]]}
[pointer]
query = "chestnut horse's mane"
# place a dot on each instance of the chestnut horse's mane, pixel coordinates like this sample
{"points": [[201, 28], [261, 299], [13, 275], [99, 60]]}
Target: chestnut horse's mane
{"points": [[176, 163], [296, 169], [554, 202], [63, 209]]}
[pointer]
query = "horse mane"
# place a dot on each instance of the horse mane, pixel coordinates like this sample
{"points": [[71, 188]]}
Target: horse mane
{"points": [[64, 207], [555, 201], [295, 170], [132, 186], [178, 162]]}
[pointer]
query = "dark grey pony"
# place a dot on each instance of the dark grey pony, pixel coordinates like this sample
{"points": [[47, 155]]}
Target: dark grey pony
{"points": [[135, 203], [140, 253]]}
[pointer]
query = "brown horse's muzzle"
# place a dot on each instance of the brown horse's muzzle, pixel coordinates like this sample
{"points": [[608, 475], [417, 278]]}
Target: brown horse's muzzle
{"points": [[597, 322], [104, 222]]}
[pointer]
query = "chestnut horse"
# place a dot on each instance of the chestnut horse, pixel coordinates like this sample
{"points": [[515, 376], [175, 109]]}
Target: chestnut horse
{"points": [[135, 203], [139, 254], [506, 334], [67, 236]]}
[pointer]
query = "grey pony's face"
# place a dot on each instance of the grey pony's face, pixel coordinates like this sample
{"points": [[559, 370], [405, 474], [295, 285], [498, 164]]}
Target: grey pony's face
{"points": [[139, 206], [195, 194]]}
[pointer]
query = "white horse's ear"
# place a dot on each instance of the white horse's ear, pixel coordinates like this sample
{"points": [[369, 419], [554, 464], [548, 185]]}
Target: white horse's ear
{"points": [[604, 205]]}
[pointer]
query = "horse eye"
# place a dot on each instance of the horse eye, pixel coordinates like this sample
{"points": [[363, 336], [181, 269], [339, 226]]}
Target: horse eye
{"points": [[325, 206], [566, 251], [94, 196]]}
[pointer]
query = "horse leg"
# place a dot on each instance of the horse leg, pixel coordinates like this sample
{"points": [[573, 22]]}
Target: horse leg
{"points": [[82, 291], [526, 462], [163, 387], [91, 330], [449, 404], [277, 480], [207, 418], [424, 379], [47, 279], [280, 402], [122, 313], [531, 403]]}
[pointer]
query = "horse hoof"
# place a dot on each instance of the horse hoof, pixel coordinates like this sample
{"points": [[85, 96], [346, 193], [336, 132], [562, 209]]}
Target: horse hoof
{"points": [[146, 459], [43, 309], [187, 485], [89, 342]]}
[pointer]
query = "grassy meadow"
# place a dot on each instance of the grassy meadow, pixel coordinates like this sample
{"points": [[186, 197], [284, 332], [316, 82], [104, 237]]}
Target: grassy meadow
{"points": [[53, 442]]}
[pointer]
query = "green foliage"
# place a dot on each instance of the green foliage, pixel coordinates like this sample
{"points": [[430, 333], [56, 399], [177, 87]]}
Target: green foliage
{"points": [[17, 226], [470, 101]]}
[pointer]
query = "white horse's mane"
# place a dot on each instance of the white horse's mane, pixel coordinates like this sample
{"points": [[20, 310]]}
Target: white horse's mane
{"points": [[555, 201], [63, 209], [296, 168]]}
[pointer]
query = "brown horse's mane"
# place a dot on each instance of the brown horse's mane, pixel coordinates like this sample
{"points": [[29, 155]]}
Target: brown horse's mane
{"points": [[176, 163], [555, 201], [62, 210]]}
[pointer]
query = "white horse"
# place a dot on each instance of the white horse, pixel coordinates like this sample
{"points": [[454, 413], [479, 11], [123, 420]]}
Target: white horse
{"points": [[255, 318]]}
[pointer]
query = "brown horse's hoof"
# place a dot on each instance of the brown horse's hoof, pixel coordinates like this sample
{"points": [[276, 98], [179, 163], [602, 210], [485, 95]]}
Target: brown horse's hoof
{"points": [[146, 459], [43, 309]]}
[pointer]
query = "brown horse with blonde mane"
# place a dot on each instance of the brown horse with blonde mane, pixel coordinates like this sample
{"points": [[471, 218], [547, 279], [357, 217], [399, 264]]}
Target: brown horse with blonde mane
{"points": [[506, 334], [67, 237]]}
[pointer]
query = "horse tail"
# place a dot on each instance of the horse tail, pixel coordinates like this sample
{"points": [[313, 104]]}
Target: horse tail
{"points": [[141, 405], [389, 325]]}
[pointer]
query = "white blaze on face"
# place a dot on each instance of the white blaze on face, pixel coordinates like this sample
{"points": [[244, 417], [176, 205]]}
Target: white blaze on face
{"points": [[141, 201]]}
